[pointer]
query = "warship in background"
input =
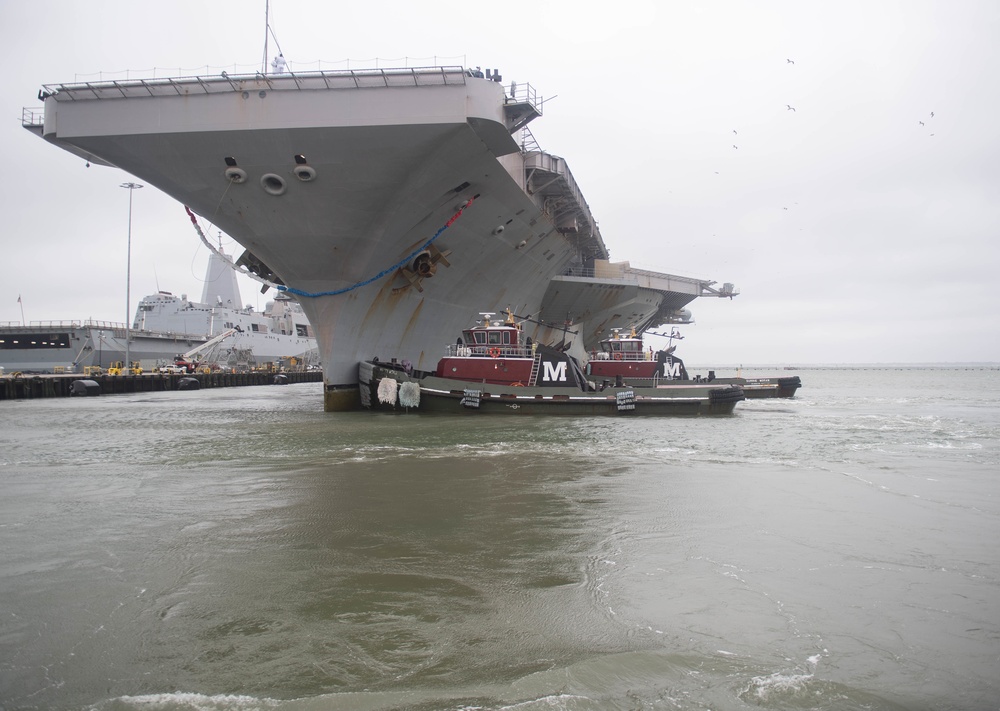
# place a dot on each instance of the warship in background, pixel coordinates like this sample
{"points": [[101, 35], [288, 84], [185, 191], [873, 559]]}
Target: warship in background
{"points": [[217, 332]]}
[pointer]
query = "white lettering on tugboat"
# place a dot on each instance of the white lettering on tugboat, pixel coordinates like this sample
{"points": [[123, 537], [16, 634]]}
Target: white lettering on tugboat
{"points": [[554, 372]]}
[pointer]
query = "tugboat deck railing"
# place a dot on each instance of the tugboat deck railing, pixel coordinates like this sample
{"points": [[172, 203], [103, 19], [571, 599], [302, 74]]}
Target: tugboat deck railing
{"points": [[481, 350], [623, 355]]}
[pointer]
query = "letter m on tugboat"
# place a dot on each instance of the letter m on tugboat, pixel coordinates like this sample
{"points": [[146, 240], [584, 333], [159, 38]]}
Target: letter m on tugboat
{"points": [[553, 372]]}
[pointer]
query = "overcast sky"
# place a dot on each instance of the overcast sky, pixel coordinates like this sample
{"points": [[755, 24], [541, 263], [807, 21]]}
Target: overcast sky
{"points": [[861, 227]]}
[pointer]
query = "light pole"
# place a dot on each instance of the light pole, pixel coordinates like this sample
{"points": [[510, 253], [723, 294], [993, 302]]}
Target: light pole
{"points": [[131, 187]]}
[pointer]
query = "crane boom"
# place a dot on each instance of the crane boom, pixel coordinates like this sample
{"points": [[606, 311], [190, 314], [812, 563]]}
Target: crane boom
{"points": [[208, 344], [186, 360]]}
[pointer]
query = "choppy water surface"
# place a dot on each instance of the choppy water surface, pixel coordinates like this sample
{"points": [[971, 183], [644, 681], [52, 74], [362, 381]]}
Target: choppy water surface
{"points": [[241, 549]]}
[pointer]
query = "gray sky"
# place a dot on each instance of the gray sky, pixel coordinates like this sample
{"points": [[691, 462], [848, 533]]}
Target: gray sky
{"points": [[855, 233]]}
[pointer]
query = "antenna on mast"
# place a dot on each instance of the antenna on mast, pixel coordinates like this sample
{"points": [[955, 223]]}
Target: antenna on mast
{"points": [[267, 15]]}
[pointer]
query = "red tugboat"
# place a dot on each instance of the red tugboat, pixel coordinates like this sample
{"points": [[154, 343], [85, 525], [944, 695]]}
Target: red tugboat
{"points": [[492, 367], [494, 352], [622, 359]]}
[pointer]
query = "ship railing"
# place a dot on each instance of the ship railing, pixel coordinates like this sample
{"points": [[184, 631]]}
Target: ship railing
{"points": [[105, 325], [623, 355], [480, 350], [554, 188], [225, 82], [32, 116], [525, 94], [585, 272], [607, 273], [45, 325], [621, 272], [118, 329]]}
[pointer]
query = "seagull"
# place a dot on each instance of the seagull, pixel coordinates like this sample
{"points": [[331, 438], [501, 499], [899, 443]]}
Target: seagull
{"points": [[921, 123], [734, 132], [790, 61], [932, 114], [735, 146], [790, 108]]}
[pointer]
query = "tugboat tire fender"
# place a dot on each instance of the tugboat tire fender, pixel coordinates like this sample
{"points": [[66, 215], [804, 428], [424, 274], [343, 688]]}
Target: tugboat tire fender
{"points": [[733, 393]]}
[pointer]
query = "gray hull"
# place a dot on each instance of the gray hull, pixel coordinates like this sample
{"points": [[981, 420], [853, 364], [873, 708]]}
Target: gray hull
{"points": [[72, 347], [395, 204]]}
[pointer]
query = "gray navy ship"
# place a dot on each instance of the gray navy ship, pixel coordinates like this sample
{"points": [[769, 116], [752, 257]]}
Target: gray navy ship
{"points": [[217, 329], [393, 204]]}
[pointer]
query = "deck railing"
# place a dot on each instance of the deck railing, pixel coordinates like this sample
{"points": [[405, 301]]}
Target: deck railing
{"points": [[32, 116], [481, 350], [623, 355], [225, 82], [244, 82]]}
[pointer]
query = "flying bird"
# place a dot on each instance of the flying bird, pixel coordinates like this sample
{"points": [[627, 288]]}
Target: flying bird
{"points": [[921, 123], [790, 107], [790, 61], [735, 146], [734, 132], [932, 114]]}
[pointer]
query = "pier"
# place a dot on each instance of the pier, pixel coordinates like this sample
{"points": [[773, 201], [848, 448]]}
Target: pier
{"points": [[27, 387]]}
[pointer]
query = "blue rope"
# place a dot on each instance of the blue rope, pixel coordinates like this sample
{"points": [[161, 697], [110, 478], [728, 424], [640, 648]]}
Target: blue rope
{"points": [[384, 272]]}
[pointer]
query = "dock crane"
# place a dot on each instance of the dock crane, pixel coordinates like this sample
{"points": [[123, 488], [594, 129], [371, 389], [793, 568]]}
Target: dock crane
{"points": [[189, 363]]}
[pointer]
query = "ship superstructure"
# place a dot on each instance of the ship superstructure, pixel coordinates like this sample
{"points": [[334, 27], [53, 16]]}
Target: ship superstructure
{"points": [[281, 330], [390, 202]]}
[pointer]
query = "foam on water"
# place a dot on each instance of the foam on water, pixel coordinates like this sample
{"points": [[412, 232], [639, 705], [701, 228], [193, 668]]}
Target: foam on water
{"points": [[181, 701]]}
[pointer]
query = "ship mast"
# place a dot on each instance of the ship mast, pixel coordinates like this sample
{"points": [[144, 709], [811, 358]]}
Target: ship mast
{"points": [[268, 33], [267, 14]]}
